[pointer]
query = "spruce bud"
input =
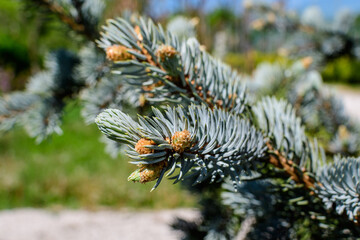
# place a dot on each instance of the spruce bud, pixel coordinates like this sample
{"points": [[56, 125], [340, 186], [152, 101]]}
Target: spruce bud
{"points": [[166, 51], [147, 172], [181, 141], [117, 53], [140, 146]]}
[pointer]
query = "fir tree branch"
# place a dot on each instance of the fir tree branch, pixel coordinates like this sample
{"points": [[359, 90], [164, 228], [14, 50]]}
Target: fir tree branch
{"points": [[191, 92], [288, 145], [90, 29], [169, 70], [78, 25], [209, 143], [13, 107], [317, 32], [140, 44], [39, 108], [166, 70], [339, 186]]}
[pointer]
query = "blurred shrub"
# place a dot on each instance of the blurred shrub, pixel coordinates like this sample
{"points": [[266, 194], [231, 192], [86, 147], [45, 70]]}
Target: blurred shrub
{"points": [[14, 63], [248, 61], [342, 70], [220, 18], [13, 53], [26, 35]]}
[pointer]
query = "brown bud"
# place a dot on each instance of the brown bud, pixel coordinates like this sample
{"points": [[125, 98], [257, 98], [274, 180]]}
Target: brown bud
{"points": [[117, 53], [151, 172], [181, 141], [138, 33], [166, 51], [142, 100], [147, 172], [140, 146], [306, 62]]}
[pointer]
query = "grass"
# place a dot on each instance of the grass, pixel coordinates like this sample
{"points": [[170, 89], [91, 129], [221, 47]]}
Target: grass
{"points": [[72, 170]]}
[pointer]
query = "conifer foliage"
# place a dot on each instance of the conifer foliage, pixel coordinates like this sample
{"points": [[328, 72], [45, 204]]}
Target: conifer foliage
{"points": [[247, 155], [225, 139]]}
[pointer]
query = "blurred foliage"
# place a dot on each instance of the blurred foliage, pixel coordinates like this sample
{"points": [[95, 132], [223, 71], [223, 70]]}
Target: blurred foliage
{"points": [[342, 70], [73, 171], [13, 53], [248, 61], [221, 18], [356, 27], [27, 33]]}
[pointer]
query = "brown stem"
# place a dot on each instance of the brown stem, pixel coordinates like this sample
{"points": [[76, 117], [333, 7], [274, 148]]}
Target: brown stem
{"points": [[77, 26], [279, 161]]}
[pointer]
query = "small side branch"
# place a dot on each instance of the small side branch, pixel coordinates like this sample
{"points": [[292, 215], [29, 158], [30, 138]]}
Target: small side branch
{"points": [[76, 25], [279, 161]]}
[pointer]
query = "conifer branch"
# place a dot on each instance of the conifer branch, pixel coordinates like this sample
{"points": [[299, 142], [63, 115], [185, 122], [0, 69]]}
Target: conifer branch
{"points": [[78, 25], [277, 175], [339, 186], [333, 39], [60, 12], [169, 70], [13, 107], [151, 52], [212, 144], [39, 108]]}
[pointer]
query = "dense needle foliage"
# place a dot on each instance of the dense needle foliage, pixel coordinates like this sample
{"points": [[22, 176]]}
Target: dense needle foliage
{"points": [[251, 158]]}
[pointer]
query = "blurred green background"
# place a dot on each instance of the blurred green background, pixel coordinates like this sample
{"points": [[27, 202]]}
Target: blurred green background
{"points": [[72, 170]]}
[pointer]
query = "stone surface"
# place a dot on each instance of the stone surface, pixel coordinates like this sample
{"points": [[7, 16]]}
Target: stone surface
{"points": [[37, 224], [351, 100]]}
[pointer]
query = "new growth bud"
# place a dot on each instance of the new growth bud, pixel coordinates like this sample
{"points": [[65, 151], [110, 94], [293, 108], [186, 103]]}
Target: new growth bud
{"points": [[181, 141], [117, 53], [165, 51], [140, 146], [147, 172]]}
